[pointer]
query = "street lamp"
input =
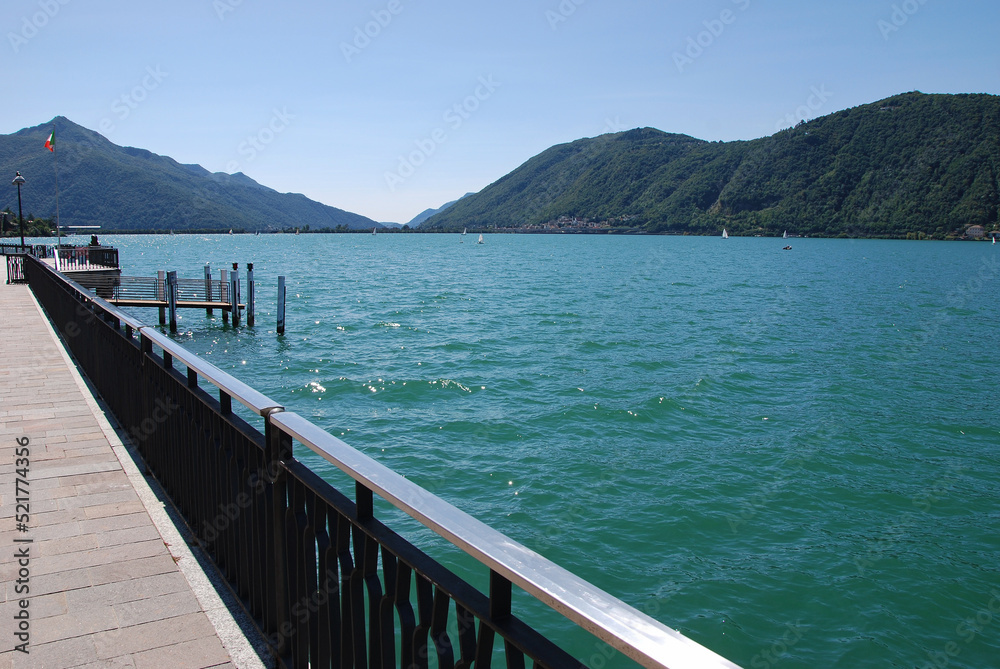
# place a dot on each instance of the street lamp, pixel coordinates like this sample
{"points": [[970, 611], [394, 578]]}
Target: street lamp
{"points": [[18, 180]]}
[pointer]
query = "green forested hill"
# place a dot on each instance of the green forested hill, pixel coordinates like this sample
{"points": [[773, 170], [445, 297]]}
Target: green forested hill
{"points": [[123, 188], [913, 163]]}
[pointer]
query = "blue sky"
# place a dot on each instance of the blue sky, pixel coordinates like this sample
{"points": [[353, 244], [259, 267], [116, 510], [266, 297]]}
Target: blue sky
{"points": [[388, 107]]}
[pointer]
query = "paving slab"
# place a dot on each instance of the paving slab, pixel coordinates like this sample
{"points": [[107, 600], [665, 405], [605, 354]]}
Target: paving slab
{"points": [[105, 585]]}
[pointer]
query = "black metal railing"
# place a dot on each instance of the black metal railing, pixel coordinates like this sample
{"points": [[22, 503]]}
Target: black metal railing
{"points": [[37, 250], [327, 583]]}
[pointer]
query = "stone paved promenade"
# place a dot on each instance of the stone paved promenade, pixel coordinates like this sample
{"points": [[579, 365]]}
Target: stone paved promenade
{"points": [[107, 587]]}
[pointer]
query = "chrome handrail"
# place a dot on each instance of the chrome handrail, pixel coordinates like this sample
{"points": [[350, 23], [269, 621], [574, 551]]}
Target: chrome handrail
{"points": [[252, 399], [637, 635]]}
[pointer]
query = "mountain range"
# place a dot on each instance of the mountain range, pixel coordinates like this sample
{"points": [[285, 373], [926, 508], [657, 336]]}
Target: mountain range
{"points": [[128, 189], [911, 165]]}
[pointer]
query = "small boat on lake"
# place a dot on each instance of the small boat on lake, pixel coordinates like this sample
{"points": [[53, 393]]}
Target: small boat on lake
{"points": [[725, 235], [480, 239]]}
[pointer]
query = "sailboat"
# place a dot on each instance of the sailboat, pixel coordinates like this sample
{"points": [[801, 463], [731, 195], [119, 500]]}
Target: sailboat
{"points": [[373, 231], [994, 240], [725, 235], [784, 235], [462, 240], [480, 239]]}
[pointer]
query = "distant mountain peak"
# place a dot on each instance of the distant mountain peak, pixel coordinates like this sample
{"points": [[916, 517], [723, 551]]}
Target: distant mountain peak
{"points": [[427, 213], [130, 188]]}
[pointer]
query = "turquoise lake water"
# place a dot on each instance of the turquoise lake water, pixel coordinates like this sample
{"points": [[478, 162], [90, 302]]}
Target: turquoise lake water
{"points": [[790, 456]]}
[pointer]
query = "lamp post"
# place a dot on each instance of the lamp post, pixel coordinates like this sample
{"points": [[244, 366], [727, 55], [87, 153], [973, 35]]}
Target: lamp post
{"points": [[18, 180]]}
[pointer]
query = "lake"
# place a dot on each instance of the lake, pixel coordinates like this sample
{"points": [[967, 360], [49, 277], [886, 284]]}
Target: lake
{"points": [[790, 456]]}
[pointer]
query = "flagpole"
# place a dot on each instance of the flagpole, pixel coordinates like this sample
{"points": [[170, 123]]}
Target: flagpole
{"points": [[55, 158]]}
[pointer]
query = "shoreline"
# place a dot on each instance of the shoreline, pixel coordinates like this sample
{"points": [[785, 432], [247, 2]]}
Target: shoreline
{"points": [[507, 231]]}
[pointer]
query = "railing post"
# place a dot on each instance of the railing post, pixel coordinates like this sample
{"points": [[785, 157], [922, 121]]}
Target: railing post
{"points": [[161, 294], [365, 501], [281, 305], [208, 287], [225, 403], [250, 315], [500, 597], [279, 448], [172, 299]]}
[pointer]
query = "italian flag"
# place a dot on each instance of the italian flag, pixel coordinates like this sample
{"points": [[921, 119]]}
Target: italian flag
{"points": [[50, 143]]}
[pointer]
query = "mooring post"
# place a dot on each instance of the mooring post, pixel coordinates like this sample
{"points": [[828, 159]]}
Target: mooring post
{"points": [[161, 294], [281, 305], [234, 282], [208, 287], [172, 299], [250, 318], [224, 285]]}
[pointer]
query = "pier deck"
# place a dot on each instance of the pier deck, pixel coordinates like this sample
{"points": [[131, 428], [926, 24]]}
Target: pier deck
{"points": [[108, 587]]}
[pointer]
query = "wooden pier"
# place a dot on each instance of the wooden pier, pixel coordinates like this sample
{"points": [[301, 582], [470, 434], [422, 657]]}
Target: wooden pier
{"points": [[149, 291], [96, 268], [168, 293]]}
